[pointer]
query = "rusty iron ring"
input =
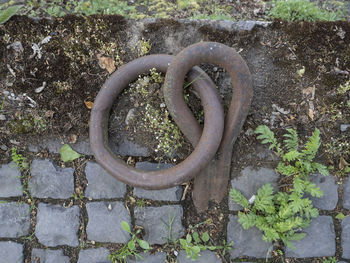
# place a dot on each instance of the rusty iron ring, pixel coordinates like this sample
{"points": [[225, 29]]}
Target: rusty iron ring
{"points": [[206, 146]]}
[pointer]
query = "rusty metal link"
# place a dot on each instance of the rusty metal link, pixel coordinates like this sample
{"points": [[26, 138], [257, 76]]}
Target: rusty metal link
{"points": [[210, 161]]}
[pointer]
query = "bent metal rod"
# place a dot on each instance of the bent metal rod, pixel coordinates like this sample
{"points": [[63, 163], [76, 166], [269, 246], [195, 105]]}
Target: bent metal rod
{"points": [[209, 164]]}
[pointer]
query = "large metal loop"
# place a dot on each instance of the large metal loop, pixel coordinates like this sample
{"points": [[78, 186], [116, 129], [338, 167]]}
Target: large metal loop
{"points": [[196, 161], [211, 171]]}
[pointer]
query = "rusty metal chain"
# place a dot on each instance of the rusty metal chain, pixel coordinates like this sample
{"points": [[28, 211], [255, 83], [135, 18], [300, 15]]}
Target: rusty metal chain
{"points": [[209, 164]]}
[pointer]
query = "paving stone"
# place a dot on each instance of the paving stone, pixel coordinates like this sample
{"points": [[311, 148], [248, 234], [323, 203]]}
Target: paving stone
{"points": [[82, 146], [250, 181], [11, 252], [171, 194], [10, 180], [246, 242], [329, 187], [319, 240], [105, 220], [48, 256], [53, 145], [14, 219], [94, 255], [57, 225], [154, 220], [346, 194], [345, 237], [147, 258], [50, 181], [205, 257], [129, 148], [101, 184]]}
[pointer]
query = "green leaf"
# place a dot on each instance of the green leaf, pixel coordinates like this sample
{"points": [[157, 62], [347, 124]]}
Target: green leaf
{"points": [[131, 245], [183, 243], [194, 256], [292, 140], [68, 154], [270, 235], [291, 156], [196, 249], [6, 14], [263, 200], [340, 216], [188, 238], [126, 227], [205, 237], [143, 244], [313, 189], [312, 145], [246, 220], [322, 169], [299, 185], [313, 212], [196, 237], [287, 170], [239, 198], [267, 136]]}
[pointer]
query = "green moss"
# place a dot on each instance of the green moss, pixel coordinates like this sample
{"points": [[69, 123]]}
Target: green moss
{"points": [[156, 119], [343, 89], [142, 47], [28, 125], [338, 147], [293, 10]]}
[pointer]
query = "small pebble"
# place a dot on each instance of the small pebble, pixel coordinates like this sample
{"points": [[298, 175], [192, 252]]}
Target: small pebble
{"points": [[129, 116], [2, 117], [3, 147], [162, 105], [110, 207], [344, 127]]}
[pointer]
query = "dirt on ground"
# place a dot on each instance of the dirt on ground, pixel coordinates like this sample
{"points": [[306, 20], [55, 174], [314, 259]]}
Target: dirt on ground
{"points": [[51, 71]]}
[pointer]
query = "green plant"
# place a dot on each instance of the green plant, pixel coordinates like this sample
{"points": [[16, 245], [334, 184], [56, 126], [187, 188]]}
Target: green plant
{"points": [[294, 162], [280, 216], [106, 7], [338, 147], [2, 104], [330, 260], [341, 216], [7, 12], [344, 88], [131, 248], [195, 243], [169, 226], [293, 10], [140, 202], [78, 196], [19, 159], [28, 238]]}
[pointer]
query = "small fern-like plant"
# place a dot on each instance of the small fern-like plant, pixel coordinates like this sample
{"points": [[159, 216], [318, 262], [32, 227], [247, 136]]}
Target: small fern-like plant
{"points": [[281, 215]]}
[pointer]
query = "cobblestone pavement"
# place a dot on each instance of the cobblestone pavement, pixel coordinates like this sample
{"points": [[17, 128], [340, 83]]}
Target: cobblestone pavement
{"points": [[59, 224]]}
